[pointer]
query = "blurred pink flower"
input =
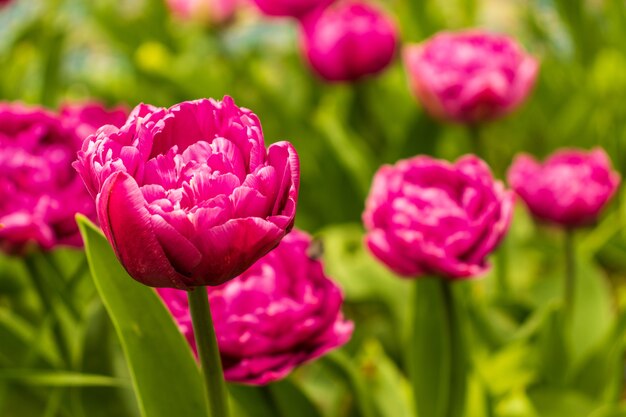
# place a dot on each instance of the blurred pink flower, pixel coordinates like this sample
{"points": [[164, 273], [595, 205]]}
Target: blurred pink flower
{"points": [[40, 193], [348, 41], [209, 11], [471, 76], [428, 216], [570, 188], [89, 117], [290, 8], [281, 312], [189, 195]]}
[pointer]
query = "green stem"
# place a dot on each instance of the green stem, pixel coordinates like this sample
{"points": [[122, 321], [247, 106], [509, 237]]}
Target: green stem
{"points": [[208, 352], [570, 271], [502, 269], [476, 141], [437, 362]]}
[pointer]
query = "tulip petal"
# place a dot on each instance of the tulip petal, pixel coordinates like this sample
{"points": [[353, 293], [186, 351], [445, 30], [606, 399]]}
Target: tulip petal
{"points": [[126, 223]]}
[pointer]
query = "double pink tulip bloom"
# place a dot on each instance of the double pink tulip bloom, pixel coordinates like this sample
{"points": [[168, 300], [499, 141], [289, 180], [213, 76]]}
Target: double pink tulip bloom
{"points": [[470, 77], [190, 196], [570, 188], [40, 193], [429, 216], [349, 40], [281, 312]]}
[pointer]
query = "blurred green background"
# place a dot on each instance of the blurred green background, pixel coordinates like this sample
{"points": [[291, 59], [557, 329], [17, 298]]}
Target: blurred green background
{"points": [[525, 361]]}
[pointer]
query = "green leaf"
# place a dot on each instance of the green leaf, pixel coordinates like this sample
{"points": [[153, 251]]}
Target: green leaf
{"points": [[254, 401], [341, 365], [550, 402], [58, 379], [290, 398], [165, 377]]}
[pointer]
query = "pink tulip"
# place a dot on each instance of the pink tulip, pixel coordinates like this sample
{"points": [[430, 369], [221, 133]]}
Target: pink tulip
{"points": [[570, 188], [209, 11], [428, 216], [349, 41], [89, 117], [40, 193], [281, 312], [470, 77], [189, 195], [291, 8]]}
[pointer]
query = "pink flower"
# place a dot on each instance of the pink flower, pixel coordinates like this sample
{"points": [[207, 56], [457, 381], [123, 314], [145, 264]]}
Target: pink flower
{"points": [[290, 8], [189, 195], [349, 41], [470, 77], [40, 193], [281, 312], [569, 188], [428, 216], [210, 11]]}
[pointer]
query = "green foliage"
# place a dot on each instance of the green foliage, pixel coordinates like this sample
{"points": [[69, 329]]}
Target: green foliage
{"points": [[144, 325], [72, 348]]}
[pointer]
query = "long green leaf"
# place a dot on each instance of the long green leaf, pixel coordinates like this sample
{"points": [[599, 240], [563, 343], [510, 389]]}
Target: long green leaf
{"points": [[165, 376], [58, 379]]}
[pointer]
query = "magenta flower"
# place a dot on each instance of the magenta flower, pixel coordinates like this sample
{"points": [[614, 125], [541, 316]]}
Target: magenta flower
{"points": [[189, 195], [281, 312], [290, 8], [570, 188], [89, 117], [349, 41], [40, 193], [470, 77], [208, 11], [428, 216]]}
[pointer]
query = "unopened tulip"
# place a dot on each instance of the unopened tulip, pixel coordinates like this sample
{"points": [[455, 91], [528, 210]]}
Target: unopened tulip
{"points": [[470, 77], [190, 196], [281, 312], [349, 41], [570, 188], [426, 216]]}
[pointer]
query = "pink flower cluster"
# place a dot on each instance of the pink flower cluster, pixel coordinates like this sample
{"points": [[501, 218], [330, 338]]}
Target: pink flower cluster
{"points": [[189, 195], [570, 188], [470, 77], [428, 216], [281, 312], [40, 193]]}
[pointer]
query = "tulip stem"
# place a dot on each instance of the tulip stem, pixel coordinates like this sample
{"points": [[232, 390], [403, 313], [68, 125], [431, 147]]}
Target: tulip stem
{"points": [[476, 140], [437, 357], [208, 352], [570, 271]]}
